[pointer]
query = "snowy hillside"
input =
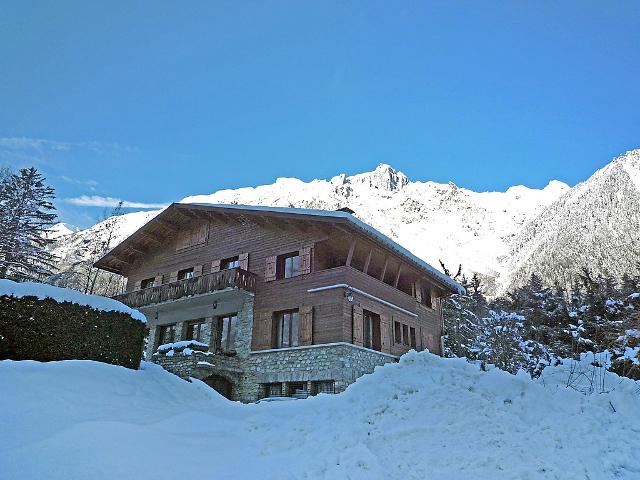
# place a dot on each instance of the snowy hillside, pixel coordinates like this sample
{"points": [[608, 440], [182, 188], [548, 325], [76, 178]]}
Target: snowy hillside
{"points": [[502, 235], [426, 417], [596, 224]]}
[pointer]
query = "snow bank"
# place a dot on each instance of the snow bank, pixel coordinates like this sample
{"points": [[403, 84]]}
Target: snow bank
{"points": [[425, 417], [42, 291]]}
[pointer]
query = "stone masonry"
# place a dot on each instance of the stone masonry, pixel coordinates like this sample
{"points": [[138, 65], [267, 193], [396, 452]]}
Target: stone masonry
{"points": [[248, 371]]}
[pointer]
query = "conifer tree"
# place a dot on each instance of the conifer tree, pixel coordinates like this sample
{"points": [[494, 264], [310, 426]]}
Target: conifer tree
{"points": [[26, 212]]}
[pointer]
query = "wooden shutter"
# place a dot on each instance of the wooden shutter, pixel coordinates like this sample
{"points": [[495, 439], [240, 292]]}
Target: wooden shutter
{"points": [[261, 334], [305, 260], [270, 268], [158, 280], [197, 270], [173, 277], [385, 333], [358, 326], [243, 261], [418, 292], [137, 285], [306, 325], [215, 266]]}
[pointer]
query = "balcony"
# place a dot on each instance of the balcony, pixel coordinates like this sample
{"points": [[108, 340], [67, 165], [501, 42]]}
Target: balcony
{"points": [[234, 278]]}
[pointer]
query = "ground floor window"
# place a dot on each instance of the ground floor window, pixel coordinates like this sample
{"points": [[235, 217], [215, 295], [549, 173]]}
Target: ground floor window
{"points": [[273, 390], [296, 389], [287, 331], [166, 334], [405, 334], [196, 331], [227, 329], [412, 337], [324, 386]]}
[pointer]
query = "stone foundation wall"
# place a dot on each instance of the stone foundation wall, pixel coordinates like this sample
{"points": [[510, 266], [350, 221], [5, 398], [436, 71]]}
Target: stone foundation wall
{"points": [[341, 363]]}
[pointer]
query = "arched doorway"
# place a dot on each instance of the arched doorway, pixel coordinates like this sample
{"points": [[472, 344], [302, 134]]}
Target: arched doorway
{"points": [[219, 384]]}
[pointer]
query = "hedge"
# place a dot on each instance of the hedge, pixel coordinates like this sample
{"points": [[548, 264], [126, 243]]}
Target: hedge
{"points": [[46, 330]]}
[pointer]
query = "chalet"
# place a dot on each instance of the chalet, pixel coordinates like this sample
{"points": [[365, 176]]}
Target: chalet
{"points": [[265, 301]]}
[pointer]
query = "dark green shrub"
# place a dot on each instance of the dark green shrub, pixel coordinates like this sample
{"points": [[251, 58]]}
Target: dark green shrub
{"points": [[45, 330]]}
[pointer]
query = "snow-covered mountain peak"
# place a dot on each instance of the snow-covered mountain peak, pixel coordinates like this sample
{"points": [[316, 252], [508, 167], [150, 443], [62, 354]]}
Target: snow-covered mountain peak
{"points": [[384, 177], [60, 230], [630, 162]]}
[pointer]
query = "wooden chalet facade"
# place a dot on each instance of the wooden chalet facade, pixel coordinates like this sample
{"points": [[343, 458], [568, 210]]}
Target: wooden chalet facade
{"points": [[287, 301]]}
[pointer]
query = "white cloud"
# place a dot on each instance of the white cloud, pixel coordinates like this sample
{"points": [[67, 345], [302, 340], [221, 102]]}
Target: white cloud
{"points": [[98, 201], [40, 144]]}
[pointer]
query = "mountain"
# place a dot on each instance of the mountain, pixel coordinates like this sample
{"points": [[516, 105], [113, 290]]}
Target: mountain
{"points": [[596, 224], [60, 230], [504, 236]]}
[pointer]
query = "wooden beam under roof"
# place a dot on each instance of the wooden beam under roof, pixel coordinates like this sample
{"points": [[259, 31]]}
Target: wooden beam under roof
{"points": [[397, 279], [352, 248], [368, 261], [384, 268]]}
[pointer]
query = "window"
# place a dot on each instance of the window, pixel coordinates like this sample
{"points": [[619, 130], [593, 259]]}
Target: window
{"points": [[196, 331], [272, 389], [287, 329], [397, 329], [412, 337], [147, 283], [185, 274], [426, 296], [288, 265], [324, 386], [371, 330], [368, 330], [405, 335], [232, 262], [167, 334], [227, 327], [297, 389]]}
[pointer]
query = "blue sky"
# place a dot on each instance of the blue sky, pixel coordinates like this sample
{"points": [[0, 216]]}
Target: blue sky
{"points": [[153, 101]]}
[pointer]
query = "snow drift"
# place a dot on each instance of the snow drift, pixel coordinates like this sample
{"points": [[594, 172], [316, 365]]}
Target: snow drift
{"points": [[426, 417]]}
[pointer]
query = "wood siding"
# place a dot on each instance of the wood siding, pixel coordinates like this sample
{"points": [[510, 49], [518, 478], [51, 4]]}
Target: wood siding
{"points": [[326, 316]]}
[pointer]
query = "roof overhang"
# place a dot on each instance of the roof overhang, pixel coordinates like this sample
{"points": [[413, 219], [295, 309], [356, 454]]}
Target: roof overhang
{"points": [[164, 224]]}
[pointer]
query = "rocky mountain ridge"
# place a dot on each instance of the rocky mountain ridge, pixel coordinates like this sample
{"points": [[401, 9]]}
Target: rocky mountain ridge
{"points": [[504, 236]]}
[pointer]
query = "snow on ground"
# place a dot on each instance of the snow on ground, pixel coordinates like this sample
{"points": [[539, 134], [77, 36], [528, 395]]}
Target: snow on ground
{"points": [[425, 417], [42, 291]]}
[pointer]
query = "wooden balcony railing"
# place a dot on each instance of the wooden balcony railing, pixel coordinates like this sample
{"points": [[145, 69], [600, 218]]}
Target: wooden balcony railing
{"points": [[211, 282]]}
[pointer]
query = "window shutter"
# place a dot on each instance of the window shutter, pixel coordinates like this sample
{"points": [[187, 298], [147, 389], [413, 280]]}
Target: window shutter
{"points": [[137, 285], [270, 268], [306, 325], [215, 266], [158, 280], [197, 270], [385, 333], [173, 277], [358, 332], [418, 292], [243, 261], [305, 260], [261, 332]]}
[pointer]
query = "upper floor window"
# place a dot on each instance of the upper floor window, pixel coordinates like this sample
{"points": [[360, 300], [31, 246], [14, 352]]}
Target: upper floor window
{"points": [[185, 273], [287, 329], [196, 331], [232, 262], [148, 283], [425, 296], [288, 265], [167, 334], [227, 330]]}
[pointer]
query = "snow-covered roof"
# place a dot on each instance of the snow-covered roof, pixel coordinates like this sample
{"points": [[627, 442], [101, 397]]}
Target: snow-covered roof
{"points": [[41, 290], [359, 224]]}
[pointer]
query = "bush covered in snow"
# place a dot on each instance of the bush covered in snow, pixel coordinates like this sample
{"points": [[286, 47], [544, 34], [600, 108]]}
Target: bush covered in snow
{"points": [[45, 330]]}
